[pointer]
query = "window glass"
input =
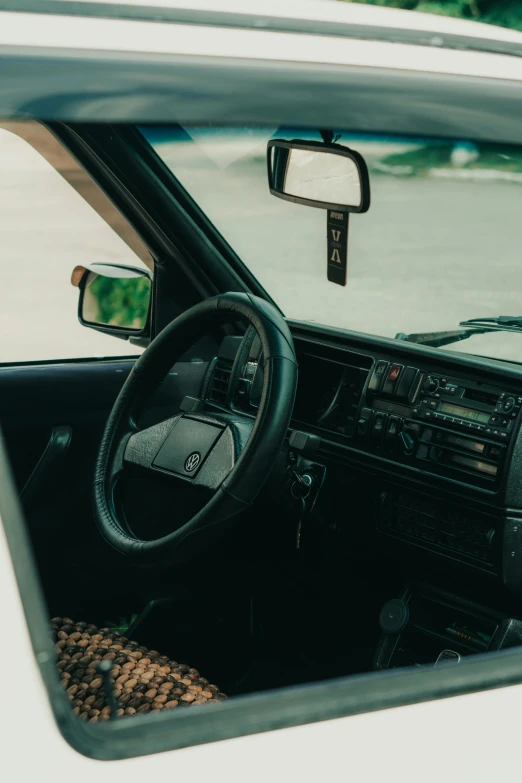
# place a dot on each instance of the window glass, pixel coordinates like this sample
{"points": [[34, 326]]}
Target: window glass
{"points": [[46, 229], [439, 244]]}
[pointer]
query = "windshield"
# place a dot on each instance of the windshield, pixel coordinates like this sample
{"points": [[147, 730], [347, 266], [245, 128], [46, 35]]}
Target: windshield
{"points": [[439, 244]]}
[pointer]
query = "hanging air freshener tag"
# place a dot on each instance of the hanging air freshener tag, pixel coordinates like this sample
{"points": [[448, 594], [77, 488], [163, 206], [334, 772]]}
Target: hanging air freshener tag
{"points": [[337, 244]]}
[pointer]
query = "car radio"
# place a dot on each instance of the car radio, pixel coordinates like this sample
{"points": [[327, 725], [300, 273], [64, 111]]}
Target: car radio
{"points": [[470, 407], [454, 424]]}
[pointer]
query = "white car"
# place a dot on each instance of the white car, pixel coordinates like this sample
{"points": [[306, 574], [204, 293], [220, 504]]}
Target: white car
{"points": [[258, 436]]}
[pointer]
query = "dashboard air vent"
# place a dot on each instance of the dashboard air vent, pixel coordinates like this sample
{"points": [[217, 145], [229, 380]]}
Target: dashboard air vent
{"points": [[218, 387]]}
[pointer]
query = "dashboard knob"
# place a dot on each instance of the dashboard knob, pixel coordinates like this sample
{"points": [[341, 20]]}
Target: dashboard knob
{"points": [[508, 404], [394, 616], [431, 385]]}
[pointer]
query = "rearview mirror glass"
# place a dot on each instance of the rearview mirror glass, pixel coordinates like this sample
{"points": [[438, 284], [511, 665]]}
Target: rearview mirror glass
{"points": [[319, 175], [115, 297]]}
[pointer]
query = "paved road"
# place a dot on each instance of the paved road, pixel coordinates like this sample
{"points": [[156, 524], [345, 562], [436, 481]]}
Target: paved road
{"points": [[428, 253], [46, 229]]}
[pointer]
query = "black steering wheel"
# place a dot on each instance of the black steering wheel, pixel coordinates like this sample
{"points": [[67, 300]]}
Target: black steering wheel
{"points": [[228, 453]]}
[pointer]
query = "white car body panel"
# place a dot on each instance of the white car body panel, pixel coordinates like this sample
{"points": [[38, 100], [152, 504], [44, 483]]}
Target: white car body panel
{"points": [[61, 32], [334, 11], [473, 737]]}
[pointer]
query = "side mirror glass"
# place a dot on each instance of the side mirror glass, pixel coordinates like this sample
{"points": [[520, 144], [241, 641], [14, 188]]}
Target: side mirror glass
{"points": [[114, 299], [328, 176]]}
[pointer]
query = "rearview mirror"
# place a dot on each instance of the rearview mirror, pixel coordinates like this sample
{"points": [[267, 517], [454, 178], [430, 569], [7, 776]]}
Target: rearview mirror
{"points": [[114, 299], [328, 176]]}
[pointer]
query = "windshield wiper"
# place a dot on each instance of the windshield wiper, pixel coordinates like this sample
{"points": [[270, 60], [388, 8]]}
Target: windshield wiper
{"points": [[500, 320], [502, 323]]}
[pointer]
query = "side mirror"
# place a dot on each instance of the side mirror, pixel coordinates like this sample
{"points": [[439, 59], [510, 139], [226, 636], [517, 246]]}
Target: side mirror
{"points": [[114, 299], [328, 176]]}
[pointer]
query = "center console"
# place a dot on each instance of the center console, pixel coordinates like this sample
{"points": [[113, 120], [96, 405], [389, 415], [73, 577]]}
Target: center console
{"points": [[426, 441], [453, 427], [426, 626], [445, 424]]}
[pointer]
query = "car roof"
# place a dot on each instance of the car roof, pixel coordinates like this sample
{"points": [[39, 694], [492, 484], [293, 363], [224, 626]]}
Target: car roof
{"points": [[256, 14], [122, 63]]}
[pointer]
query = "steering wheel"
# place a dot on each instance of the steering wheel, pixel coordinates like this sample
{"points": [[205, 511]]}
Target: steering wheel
{"points": [[228, 453]]}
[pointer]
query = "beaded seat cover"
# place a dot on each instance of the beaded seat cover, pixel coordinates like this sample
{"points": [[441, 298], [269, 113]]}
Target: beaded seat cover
{"points": [[143, 681]]}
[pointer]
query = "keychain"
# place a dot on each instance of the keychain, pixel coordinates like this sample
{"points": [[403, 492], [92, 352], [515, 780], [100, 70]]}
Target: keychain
{"points": [[300, 490]]}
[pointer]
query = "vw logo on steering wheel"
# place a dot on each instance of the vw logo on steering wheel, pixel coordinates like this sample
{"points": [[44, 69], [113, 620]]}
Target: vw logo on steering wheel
{"points": [[192, 461]]}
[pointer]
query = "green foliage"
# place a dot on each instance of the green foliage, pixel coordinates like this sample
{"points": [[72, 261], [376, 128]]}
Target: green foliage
{"points": [[121, 301], [504, 13], [423, 160]]}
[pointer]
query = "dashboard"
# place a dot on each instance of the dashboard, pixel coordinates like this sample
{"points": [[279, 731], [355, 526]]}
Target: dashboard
{"points": [[436, 435]]}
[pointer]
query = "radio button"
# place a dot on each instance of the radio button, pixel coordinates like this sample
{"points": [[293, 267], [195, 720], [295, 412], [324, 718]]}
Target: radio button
{"points": [[432, 403], [391, 380], [508, 404], [378, 376], [363, 425], [405, 387], [499, 421], [392, 430], [378, 427]]}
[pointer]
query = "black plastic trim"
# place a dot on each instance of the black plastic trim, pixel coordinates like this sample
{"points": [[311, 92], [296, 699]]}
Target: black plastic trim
{"points": [[183, 206], [117, 331], [59, 441], [67, 85], [498, 370], [277, 187]]}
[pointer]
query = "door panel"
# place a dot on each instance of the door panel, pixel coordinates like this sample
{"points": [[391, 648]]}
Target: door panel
{"points": [[81, 574], [34, 398]]}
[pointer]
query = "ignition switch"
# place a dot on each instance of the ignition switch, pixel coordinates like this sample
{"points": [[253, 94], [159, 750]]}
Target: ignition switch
{"points": [[305, 477], [302, 485]]}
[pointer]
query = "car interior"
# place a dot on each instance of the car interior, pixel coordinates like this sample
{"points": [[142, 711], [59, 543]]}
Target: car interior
{"points": [[271, 501]]}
